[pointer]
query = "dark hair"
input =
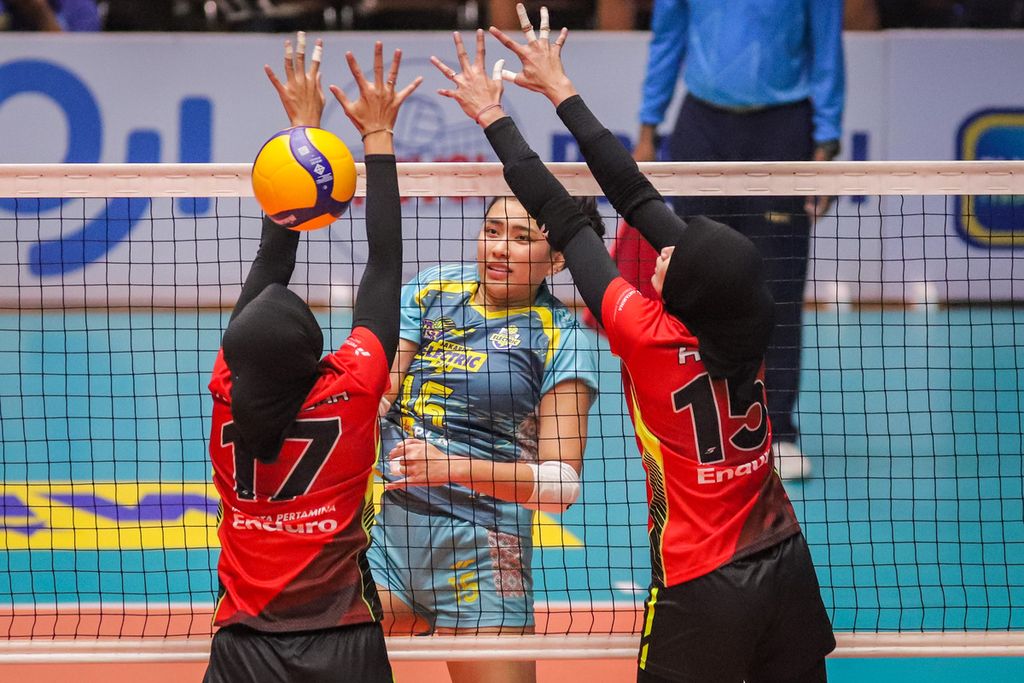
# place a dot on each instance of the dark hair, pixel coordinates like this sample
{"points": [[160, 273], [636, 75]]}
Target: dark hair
{"points": [[587, 206]]}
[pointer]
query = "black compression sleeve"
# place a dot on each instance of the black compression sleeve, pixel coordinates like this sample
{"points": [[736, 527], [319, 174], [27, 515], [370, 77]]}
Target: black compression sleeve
{"points": [[620, 178], [274, 263], [546, 200], [592, 269], [378, 300], [537, 190]]}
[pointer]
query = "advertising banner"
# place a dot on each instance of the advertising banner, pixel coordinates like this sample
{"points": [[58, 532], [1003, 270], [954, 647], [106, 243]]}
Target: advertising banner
{"points": [[204, 98]]}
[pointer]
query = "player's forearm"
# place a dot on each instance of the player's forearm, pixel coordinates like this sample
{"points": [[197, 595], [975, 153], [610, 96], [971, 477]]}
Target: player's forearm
{"points": [[617, 173], [511, 481], [378, 300], [274, 262], [535, 187], [592, 269]]}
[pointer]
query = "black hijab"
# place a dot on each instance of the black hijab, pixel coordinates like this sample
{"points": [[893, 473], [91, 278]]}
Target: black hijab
{"points": [[714, 284], [273, 349]]}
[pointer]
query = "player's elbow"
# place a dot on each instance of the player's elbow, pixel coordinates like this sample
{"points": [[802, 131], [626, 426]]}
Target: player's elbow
{"points": [[556, 487]]}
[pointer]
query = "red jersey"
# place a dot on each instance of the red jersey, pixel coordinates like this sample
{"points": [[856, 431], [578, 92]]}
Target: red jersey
{"points": [[294, 533], [712, 490]]}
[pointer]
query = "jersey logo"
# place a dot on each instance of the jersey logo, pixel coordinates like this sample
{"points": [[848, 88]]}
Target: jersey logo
{"points": [[507, 338], [442, 327], [445, 356]]}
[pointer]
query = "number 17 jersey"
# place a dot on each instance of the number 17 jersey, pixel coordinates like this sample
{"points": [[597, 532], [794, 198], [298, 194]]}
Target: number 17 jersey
{"points": [[712, 491], [294, 532]]}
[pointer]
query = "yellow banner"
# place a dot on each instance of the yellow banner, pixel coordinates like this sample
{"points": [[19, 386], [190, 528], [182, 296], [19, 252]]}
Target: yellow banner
{"points": [[108, 516], [142, 516]]}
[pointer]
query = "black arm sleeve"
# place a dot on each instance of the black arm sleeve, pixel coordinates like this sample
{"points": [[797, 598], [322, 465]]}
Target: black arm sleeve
{"points": [[378, 300], [547, 201], [620, 178], [274, 263]]}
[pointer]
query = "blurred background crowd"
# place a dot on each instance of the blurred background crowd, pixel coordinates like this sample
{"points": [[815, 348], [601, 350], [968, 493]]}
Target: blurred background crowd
{"points": [[377, 15]]}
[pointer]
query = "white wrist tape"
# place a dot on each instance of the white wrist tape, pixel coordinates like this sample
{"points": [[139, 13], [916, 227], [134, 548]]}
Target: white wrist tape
{"points": [[556, 486]]}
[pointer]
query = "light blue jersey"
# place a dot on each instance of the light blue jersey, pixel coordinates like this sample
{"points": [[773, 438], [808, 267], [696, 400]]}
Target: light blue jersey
{"points": [[474, 387]]}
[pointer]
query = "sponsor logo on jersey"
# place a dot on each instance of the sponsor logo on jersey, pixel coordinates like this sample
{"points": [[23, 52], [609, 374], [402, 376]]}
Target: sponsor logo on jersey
{"points": [[445, 356], [289, 522], [991, 220], [507, 338], [716, 475]]}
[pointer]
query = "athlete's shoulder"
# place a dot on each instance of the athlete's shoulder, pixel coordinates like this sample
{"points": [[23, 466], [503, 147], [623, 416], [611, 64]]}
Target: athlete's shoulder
{"points": [[561, 315], [632, 319], [456, 278]]}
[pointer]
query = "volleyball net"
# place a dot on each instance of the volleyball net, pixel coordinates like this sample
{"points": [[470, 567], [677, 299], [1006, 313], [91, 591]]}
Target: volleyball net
{"points": [[115, 286]]}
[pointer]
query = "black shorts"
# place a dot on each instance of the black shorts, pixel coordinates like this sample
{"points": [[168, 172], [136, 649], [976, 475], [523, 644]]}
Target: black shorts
{"points": [[757, 619], [348, 653]]}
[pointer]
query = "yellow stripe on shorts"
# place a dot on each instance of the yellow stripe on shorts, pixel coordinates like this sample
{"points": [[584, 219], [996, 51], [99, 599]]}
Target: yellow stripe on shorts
{"points": [[648, 625]]}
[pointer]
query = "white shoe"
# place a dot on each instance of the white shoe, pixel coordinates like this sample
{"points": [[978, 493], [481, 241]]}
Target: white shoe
{"points": [[791, 463]]}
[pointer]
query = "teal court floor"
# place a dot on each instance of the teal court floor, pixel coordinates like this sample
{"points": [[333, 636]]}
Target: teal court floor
{"points": [[912, 417]]}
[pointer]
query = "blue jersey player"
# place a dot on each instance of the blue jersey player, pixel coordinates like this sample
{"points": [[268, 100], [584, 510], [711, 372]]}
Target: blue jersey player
{"points": [[492, 384]]}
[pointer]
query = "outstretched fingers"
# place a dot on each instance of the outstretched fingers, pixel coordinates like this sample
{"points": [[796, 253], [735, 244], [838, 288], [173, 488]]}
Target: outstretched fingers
{"points": [[480, 49], [357, 73], [506, 41], [448, 72], [315, 59], [498, 70], [339, 95], [274, 81], [408, 90], [545, 24], [460, 51], [524, 23], [396, 60], [378, 64]]}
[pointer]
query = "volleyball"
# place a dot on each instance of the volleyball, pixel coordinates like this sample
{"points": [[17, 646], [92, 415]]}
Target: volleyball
{"points": [[304, 178]]}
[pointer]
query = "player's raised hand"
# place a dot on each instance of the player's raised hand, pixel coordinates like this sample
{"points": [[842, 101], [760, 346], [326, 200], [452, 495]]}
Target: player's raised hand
{"points": [[478, 94], [301, 93], [422, 464], [542, 60], [375, 111]]}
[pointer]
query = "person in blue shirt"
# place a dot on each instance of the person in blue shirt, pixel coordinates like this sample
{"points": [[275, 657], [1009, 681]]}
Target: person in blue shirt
{"points": [[491, 386], [764, 82]]}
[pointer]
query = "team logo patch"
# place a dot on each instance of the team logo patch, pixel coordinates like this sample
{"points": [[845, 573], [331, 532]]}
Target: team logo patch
{"points": [[442, 327], [507, 338]]}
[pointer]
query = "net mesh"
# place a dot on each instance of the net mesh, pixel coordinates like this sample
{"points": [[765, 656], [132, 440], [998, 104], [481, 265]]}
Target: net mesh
{"points": [[907, 344]]}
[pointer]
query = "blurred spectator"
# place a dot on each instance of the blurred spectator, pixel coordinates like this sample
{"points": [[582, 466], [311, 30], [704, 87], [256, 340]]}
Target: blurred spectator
{"points": [[415, 15], [951, 13], [132, 15], [604, 15], [49, 15], [861, 15]]}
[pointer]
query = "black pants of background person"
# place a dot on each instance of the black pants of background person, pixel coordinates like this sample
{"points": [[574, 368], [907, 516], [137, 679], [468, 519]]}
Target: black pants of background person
{"points": [[346, 654], [777, 225]]}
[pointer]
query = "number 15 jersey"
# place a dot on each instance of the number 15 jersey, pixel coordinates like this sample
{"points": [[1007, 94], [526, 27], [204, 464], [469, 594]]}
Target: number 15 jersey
{"points": [[712, 490], [294, 532]]}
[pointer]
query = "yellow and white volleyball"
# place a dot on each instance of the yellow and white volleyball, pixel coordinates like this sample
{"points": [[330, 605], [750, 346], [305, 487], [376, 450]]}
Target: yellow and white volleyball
{"points": [[304, 178]]}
